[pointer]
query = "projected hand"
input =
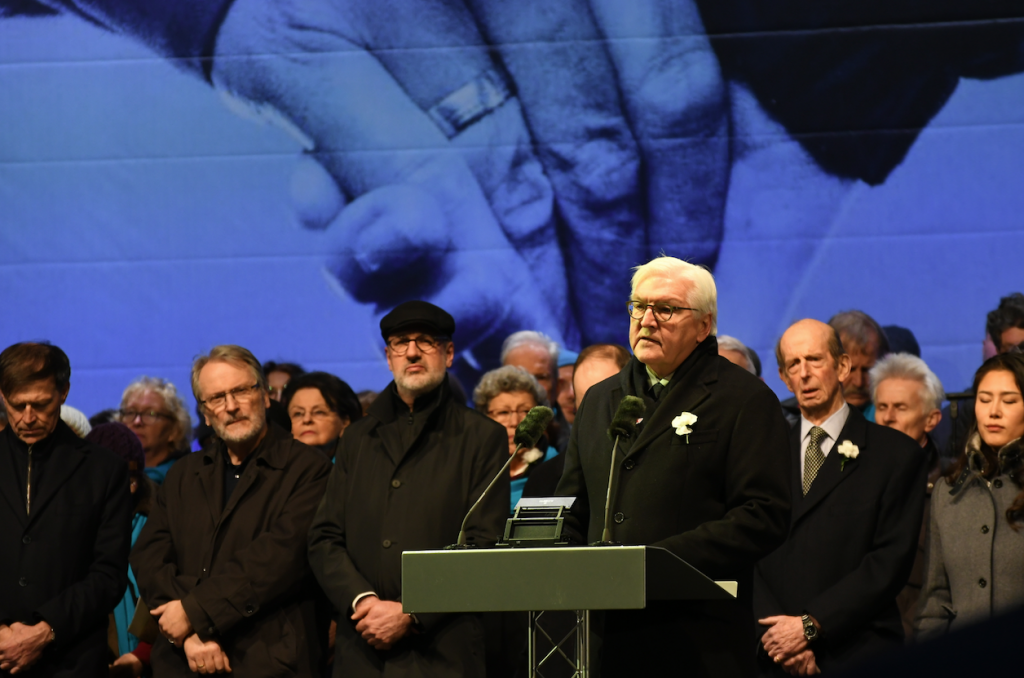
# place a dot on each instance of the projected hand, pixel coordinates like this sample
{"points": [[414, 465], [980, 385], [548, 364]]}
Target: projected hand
{"points": [[447, 221]]}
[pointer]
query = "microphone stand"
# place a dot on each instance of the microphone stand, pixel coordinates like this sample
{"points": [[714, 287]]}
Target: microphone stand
{"points": [[461, 542], [606, 535]]}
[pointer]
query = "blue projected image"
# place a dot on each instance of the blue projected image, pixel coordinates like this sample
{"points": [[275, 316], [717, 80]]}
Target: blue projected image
{"points": [[279, 175]]}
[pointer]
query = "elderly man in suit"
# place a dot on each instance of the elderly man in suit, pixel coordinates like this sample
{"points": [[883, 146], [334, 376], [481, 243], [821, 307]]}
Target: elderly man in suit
{"points": [[222, 558], [827, 597], [65, 526], [713, 491]]}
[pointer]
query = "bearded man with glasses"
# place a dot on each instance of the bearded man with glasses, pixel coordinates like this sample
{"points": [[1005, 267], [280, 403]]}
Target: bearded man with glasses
{"points": [[706, 476], [221, 561], [404, 477]]}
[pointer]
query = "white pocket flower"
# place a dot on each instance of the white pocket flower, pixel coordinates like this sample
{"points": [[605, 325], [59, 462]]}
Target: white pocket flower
{"points": [[682, 423]]}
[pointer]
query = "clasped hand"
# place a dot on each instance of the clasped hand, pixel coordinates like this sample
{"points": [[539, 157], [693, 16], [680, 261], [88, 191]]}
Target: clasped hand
{"points": [[22, 645], [785, 643], [381, 622], [174, 623], [205, 657]]}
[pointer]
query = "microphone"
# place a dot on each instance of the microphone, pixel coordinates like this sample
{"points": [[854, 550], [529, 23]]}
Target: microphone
{"points": [[623, 426], [529, 431]]}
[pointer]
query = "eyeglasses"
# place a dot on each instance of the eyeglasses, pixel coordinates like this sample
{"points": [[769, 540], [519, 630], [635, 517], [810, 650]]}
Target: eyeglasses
{"points": [[662, 312], [148, 416], [242, 394], [425, 343], [506, 415]]}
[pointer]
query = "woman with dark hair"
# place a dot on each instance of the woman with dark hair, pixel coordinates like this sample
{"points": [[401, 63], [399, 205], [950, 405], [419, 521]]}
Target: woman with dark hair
{"points": [[321, 406], [974, 564]]}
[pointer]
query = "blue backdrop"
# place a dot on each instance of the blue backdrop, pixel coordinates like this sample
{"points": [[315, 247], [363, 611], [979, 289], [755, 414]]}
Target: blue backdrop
{"points": [[278, 175]]}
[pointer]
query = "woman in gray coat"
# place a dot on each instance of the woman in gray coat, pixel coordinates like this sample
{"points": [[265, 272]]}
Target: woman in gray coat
{"points": [[974, 566]]}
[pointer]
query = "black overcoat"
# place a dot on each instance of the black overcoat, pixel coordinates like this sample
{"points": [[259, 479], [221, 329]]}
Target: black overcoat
{"points": [[851, 544], [67, 561], [239, 569], [385, 497], [717, 497]]}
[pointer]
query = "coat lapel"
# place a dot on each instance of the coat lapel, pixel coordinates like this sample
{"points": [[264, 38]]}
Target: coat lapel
{"points": [[830, 475], [685, 396], [9, 486], [64, 461], [211, 478]]}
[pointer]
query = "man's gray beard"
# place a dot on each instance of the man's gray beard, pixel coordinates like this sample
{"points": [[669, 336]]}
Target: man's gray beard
{"points": [[258, 426], [425, 387]]}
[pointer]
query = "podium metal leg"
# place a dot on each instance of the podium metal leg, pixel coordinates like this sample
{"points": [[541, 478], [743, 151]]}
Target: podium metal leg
{"points": [[580, 663]]}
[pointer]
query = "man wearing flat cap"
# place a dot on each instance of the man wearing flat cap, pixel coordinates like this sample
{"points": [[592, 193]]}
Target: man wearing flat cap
{"points": [[404, 477]]}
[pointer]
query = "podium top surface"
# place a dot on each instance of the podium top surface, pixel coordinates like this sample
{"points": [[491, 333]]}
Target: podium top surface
{"points": [[564, 578]]}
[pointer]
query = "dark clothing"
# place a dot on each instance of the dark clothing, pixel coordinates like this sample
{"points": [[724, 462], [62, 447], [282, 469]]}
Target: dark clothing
{"points": [[850, 546], [717, 497], [232, 474], [239, 570], [404, 482], [66, 561], [544, 479]]}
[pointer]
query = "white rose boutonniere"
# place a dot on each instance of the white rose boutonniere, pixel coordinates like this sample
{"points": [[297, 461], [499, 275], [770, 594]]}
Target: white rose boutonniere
{"points": [[682, 424], [849, 452]]}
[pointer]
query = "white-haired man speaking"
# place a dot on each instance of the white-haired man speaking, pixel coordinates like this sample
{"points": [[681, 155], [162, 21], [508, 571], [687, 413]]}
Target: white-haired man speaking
{"points": [[714, 490], [908, 397]]}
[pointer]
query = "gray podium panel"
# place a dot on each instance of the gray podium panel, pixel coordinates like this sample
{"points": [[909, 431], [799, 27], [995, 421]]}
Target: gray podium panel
{"points": [[508, 580]]}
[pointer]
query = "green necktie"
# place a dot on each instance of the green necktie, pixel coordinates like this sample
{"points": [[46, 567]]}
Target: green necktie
{"points": [[813, 458]]}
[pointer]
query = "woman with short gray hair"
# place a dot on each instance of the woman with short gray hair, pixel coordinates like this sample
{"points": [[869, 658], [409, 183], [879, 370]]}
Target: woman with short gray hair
{"points": [[156, 414], [506, 395]]}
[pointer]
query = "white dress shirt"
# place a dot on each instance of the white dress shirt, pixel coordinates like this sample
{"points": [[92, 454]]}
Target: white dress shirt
{"points": [[833, 426]]}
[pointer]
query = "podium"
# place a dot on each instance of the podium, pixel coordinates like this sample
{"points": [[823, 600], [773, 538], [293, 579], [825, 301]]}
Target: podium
{"points": [[535, 580]]}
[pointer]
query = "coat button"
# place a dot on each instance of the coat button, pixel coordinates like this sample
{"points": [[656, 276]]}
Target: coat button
{"points": [[23, 581], [387, 543], [984, 529], [982, 583], [249, 609], [628, 464], [997, 483], [619, 517], [26, 539], [396, 483]]}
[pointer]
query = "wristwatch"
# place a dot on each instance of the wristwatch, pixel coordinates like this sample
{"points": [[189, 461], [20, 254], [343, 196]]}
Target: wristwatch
{"points": [[810, 630]]}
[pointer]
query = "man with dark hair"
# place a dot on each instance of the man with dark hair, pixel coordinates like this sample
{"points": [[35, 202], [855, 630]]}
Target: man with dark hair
{"points": [[826, 598], [1005, 324], [65, 525], [865, 342], [404, 477], [222, 561]]}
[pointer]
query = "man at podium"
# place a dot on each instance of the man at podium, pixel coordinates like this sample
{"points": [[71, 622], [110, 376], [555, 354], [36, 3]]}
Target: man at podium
{"points": [[706, 476]]}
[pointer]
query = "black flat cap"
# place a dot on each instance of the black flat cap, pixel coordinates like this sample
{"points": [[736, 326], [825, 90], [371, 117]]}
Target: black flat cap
{"points": [[418, 314]]}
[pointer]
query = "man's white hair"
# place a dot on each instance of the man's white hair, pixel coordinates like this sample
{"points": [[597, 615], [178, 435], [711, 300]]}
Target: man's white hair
{"points": [[529, 338], [703, 296], [727, 343], [907, 366]]}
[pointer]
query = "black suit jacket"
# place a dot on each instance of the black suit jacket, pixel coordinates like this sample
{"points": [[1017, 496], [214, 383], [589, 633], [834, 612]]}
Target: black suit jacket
{"points": [[851, 543], [67, 561], [718, 497]]}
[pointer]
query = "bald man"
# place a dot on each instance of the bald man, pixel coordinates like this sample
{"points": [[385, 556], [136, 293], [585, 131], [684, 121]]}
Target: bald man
{"points": [[826, 598]]}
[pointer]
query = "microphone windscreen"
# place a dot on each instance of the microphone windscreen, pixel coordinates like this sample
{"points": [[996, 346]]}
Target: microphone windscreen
{"points": [[531, 428], [624, 423]]}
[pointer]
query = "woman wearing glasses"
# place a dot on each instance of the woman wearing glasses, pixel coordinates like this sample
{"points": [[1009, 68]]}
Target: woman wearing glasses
{"points": [[154, 411], [506, 395]]}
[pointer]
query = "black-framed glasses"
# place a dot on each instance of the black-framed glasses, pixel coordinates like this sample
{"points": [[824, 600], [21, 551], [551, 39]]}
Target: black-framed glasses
{"points": [[147, 416], [242, 394], [507, 415], [662, 312], [424, 342]]}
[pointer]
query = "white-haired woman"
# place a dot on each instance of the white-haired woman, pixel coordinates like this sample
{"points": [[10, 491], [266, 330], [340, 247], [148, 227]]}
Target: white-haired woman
{"points": [[156, 414], [506, 395]]}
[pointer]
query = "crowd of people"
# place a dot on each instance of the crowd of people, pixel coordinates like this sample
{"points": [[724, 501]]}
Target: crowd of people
{"points": [[862, 513]]}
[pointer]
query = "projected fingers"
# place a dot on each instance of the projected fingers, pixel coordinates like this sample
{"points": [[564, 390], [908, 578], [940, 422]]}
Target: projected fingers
{"points": [[370, 135], [676, 102], [567, 86]]}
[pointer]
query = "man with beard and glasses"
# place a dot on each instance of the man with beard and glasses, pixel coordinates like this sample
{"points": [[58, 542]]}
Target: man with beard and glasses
{"points": [[404, 477], [222, 559]]}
